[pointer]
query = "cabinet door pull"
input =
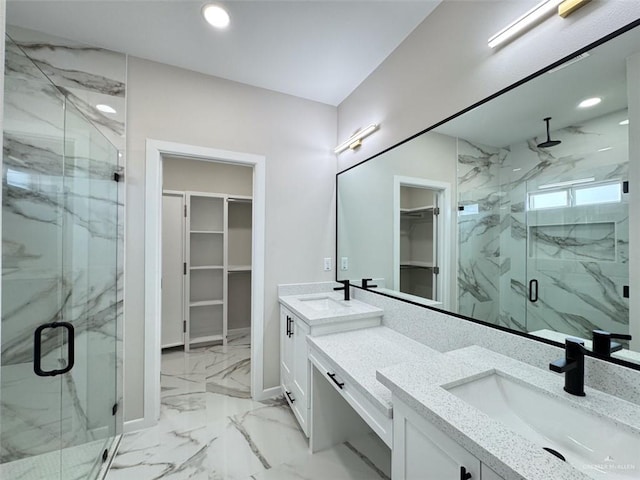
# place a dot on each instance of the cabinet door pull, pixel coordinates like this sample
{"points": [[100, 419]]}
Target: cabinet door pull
{"points": [[332, 376], [291, 399], [288, 326], [464, 475]]}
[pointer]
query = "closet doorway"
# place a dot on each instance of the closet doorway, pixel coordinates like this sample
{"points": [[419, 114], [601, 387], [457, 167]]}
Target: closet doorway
{"points": [[204, 271], [206, 253], [420, 223]]}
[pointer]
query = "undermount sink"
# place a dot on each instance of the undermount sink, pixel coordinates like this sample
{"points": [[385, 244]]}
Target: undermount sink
{"points": [[597, 446], [323, 303]]}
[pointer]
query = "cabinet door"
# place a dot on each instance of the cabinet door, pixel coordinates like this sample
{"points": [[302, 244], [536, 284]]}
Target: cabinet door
{"points": [[301, 361], [488, 474], [173, 314], [286, 347], [423, 452]]}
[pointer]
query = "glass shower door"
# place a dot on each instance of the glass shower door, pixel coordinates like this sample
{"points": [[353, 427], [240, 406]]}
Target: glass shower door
{"points": [[33, 290], [577, 255], [58, 360], [89, 271]]}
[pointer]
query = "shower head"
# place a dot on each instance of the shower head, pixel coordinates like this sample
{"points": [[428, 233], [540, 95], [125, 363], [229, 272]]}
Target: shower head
{"points": [[548, 143]]}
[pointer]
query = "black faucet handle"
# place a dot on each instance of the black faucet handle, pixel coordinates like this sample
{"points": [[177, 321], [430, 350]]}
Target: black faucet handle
{"points": [[602, 344], [561, 366], [345, 284], [365, 283]]}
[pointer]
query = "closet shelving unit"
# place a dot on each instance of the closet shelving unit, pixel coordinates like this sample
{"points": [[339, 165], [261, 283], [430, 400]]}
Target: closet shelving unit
{"points": [[215, 233], [423, 260], [206, 266]]}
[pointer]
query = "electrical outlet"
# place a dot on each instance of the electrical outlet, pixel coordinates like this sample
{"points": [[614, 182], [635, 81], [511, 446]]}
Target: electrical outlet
{"points": [[327, 264], [344, 263]]}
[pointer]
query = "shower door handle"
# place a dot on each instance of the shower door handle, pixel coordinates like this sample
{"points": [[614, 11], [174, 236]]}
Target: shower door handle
{"points": [[533, 290], [37, 349]]}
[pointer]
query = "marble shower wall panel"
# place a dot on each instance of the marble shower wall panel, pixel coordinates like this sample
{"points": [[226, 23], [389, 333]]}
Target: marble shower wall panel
{"points": [[87, 75], [44, 210], [480, 263]]}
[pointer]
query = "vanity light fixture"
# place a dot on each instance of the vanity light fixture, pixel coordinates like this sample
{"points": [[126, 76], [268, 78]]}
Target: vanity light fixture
{"points": [[567, 7], [355, 140], [533, 16], [624, 122], [105, 108], [215, 15], [589, 102]]}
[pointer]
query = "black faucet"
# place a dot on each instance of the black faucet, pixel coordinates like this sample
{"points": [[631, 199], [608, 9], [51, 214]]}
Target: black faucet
{"points": [[572, 365], [345, 287], [602, 344], [365, 283]]}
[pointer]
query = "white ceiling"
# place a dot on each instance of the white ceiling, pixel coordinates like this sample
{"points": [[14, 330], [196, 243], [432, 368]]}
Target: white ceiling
{"points": [[518, 115], [319, 50]]}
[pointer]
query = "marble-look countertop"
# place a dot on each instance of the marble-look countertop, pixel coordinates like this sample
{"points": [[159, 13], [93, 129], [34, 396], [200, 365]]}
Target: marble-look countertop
{"points": [[419, 385], [343, 310], [359, 353]]}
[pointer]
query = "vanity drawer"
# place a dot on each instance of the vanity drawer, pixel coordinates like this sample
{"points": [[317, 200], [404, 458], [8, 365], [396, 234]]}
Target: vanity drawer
{"points": [[379, 423]]}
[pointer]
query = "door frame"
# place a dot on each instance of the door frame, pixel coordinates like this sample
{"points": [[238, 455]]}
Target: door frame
{"points": [[155, 150], [444, 232]]}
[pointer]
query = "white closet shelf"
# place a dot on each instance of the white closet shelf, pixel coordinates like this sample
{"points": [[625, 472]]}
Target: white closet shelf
{"points": [[417, 209], [207, 339], [205, 303], [416, 263], [239, 268], [207, 267], [217, 232]]}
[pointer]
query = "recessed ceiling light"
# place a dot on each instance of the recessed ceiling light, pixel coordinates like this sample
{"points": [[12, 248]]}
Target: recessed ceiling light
{"points": [[624, 122], [105, 108], [215, 16], [590, 102]]}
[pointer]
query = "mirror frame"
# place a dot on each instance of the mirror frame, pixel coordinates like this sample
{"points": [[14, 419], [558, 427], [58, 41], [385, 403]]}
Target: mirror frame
{"points": [[590, 46]]}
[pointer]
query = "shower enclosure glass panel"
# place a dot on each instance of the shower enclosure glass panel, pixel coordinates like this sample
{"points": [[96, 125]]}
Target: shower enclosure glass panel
{"points": [[577, 255], [59, 228]]}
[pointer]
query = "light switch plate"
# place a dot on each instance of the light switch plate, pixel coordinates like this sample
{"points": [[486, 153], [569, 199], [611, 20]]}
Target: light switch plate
{"points": [[327, 264], [344, 263]]}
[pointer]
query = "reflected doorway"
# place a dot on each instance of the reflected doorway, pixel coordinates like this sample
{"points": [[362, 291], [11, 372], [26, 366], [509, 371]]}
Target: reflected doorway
{"points": [[419, 238]]}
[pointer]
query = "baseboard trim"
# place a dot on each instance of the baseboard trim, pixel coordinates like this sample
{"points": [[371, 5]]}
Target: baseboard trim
{"points": [[137, 424], [268, 393]]}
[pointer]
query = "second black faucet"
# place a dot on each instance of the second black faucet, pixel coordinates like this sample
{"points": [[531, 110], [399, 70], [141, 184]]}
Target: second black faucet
{"points": [[345, 287]]}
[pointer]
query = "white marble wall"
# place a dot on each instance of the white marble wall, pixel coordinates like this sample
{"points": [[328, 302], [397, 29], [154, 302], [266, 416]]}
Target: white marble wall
{"points": [[579, 255], [62, 242], [480, 262]]}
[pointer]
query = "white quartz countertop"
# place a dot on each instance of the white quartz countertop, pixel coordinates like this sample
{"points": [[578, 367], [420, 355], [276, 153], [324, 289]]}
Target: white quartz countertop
{"points": [[359, 353], [419, 385], [337, 309]]}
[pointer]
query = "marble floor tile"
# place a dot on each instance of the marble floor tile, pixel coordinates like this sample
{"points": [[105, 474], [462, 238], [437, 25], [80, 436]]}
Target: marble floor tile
{"points": [[210, 428]]}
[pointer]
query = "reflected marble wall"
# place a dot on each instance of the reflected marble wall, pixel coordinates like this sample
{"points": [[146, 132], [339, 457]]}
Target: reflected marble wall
{"points": [[62, 241], [579, 254]]}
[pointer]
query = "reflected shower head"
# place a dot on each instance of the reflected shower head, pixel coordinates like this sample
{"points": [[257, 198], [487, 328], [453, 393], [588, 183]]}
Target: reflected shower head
{"points": [[549, 143]]}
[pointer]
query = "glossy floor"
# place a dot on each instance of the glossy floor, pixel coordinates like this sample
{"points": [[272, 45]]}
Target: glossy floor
{"points": [[211, 429]]}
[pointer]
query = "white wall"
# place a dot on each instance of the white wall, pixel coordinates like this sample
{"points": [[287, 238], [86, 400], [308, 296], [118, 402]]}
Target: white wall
{"points": [[295, 135], [184, 174], [366, 202], [445, 65]]}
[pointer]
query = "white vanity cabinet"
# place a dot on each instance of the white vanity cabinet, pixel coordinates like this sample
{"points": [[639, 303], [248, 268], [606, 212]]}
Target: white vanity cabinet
{"points": [[294, 365], [423, 452]]}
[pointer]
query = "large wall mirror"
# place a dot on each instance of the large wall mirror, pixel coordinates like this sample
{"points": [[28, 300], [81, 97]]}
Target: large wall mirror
{"points": [[515, 212]]}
